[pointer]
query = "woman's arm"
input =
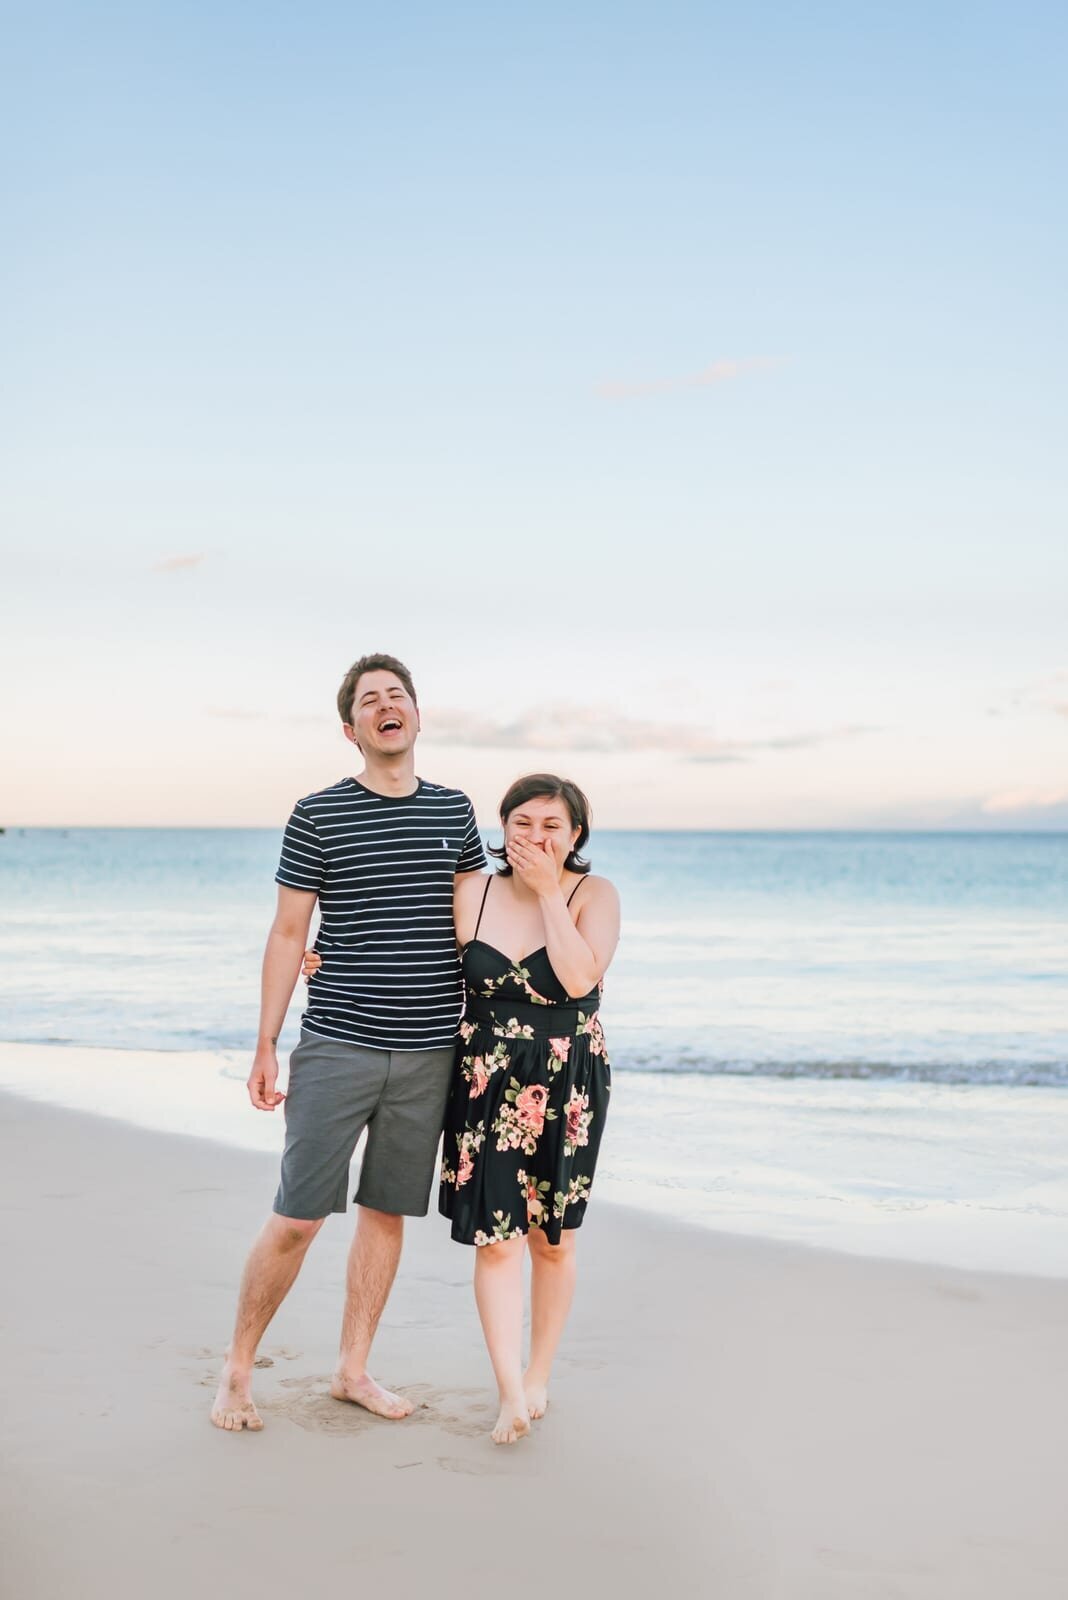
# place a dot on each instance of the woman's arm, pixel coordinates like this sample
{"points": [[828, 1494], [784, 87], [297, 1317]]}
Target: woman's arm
{"points": [[580, 951], [468, 889], [466, 898]]}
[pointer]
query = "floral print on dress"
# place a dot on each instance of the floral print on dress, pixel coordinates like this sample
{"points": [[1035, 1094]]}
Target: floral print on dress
{"points": [[478, 1070], [578, 1189], [520, 977], [502, 1229], [469, 1142], [577, 1122], [514, 1029], [536, 1195], [590, 1028], [522, 1116], [527, 1104]]}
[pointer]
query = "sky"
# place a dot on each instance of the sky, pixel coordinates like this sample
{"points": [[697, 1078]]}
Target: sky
{"points": [[678, 389]]}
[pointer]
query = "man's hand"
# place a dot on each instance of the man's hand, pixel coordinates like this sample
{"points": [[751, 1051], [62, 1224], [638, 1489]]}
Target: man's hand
{"points": [[262, 1079]]}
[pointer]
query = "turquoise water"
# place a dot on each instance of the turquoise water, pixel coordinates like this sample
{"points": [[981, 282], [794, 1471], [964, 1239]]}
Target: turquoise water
{"points": [[934, 957]]}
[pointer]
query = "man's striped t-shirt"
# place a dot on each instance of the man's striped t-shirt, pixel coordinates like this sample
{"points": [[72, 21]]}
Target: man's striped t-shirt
{"points": [[383, 870]]}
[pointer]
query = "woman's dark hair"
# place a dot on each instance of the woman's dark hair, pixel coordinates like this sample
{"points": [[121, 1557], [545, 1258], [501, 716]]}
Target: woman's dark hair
{"points": [[546, 786]]}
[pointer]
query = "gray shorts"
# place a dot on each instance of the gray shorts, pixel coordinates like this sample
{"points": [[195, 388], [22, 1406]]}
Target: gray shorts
{"points": [[335, 1091]]}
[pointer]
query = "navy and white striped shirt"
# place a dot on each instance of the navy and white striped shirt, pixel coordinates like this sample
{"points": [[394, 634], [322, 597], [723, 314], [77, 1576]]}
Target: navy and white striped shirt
{"points": [[383, 870]]}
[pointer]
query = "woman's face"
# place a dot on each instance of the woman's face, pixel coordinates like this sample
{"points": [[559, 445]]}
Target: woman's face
{"points": [[543, 822]]}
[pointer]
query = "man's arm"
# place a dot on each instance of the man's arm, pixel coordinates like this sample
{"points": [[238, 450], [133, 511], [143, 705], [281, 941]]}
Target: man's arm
{"points": [[281, 964]]}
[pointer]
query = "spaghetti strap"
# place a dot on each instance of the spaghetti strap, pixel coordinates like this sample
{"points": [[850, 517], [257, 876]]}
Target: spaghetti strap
{"points": [[482, 907], [575, 890]]}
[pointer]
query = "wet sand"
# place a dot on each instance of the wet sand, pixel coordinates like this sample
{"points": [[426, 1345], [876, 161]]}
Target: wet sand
{"points": [[731, 1417]]}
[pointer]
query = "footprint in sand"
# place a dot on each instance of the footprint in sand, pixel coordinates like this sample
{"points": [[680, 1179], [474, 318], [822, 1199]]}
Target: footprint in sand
{"points": [[584, 1363], [463, 1412], [477, 1469], [309, 1403]]}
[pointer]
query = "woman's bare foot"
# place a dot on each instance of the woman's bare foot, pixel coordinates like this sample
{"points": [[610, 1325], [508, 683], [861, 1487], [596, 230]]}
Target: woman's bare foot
{"points": [[537, 1397], [371, 1395], [232, 1407], [512, 1423]]}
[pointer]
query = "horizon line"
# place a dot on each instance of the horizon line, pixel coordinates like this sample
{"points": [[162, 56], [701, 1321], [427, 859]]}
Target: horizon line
{"points": [[940, 831]]}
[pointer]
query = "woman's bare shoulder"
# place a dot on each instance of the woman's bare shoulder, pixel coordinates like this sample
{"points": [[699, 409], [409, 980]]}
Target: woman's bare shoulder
{"points": [[597, 888], [469, 885]]}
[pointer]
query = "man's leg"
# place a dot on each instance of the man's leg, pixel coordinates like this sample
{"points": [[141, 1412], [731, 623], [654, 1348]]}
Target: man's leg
{"points": [[272, 1266], [398, 1170], [373, 1259]]}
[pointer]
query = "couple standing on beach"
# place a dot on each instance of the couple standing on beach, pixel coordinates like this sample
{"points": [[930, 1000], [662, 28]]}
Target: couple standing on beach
{"points": [[521, 1092]]}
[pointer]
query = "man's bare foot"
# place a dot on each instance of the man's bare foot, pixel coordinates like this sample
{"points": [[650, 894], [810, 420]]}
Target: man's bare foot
{"points": [[232, 1407], [512, 1423], [371, 1395], [537, 1398]]}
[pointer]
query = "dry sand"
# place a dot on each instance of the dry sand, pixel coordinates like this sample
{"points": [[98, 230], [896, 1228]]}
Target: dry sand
{"points": [[730, 1418]]}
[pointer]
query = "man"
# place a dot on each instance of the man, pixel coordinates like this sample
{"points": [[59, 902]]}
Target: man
{"points": [[381, 853]]}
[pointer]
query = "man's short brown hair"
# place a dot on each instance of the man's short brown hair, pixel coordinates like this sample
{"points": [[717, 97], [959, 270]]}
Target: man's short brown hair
{"points": [[372, 663]]}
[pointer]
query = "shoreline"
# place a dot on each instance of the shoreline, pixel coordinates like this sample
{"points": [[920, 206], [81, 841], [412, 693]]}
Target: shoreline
{"points": [[730, 1416], [964, 1176]]}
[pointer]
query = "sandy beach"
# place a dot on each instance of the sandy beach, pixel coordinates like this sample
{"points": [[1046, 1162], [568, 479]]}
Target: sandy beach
{"points": [[730, 1417]]}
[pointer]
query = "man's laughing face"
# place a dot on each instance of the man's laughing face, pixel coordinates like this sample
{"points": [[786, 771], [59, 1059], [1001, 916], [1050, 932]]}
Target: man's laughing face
{"points": [[385, 718]]}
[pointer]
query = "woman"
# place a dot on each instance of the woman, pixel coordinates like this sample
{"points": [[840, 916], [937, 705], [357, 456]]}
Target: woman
{"points": [[530, 1086], [530, 1089]]}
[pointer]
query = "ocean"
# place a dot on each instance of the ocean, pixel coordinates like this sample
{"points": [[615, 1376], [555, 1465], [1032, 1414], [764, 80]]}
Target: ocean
{"points": [[935, 957], [808, 1031]]}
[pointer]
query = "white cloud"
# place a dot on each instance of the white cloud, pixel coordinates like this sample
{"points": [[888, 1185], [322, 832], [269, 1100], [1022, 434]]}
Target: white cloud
{"points": [[592, 730], [1049, 693], [239, 714]]}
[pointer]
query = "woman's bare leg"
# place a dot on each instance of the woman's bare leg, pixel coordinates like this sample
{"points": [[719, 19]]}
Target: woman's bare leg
{"points": [[552, 1287], [499, 1297]]}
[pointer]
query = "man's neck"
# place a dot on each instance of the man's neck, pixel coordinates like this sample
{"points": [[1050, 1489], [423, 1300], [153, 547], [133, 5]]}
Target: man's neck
{"points": [[394, 779]]}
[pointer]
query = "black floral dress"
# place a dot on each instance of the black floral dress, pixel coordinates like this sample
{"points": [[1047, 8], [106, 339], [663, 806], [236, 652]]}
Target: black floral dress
{"points": [[527, 1104]]}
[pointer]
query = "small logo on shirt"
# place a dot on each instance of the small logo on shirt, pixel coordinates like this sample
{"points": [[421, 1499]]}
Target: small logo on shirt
{"points": [[444, 844]]}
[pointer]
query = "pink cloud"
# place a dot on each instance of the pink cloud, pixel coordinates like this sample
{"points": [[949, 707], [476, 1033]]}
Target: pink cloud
{"points": [[1012, 802], [178, 563], [721, 371]]}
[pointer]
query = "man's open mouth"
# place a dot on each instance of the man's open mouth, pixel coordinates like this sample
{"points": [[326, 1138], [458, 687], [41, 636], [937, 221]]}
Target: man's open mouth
{"points": [[391, 725]]}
